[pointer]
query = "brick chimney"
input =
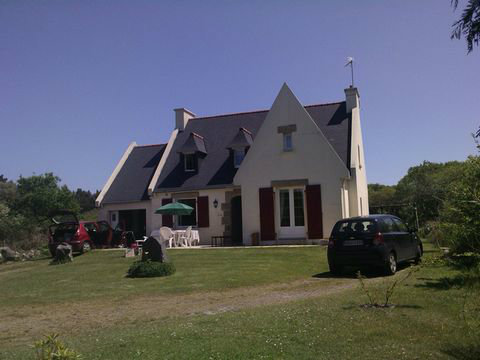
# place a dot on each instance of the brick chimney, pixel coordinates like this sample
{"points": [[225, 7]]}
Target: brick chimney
{"points": [[182, 116], [353, 98]]}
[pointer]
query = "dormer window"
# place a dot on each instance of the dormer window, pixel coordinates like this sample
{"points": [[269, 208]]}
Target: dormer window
{"points": [[189, 162], [287, 142], [239, 145], [238, 155], [193, 149]]}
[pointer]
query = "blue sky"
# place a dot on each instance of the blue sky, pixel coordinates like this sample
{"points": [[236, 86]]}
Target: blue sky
{"points": [[80, 80]]}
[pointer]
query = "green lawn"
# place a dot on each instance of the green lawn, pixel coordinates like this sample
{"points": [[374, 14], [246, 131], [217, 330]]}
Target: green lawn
{"points": [[426, 323], [101, 274]]}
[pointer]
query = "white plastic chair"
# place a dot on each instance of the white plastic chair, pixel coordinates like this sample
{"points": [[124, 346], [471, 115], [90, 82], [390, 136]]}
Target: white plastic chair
{"points": [[195, 238], [186, 237], [167, 235]]}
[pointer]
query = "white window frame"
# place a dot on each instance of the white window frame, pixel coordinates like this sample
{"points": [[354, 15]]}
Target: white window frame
{"points": [[292, 231], [287, 147]]}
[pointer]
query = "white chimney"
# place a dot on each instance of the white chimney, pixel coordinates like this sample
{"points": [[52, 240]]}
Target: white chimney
{"points": [[182, 116], [353, 98]]}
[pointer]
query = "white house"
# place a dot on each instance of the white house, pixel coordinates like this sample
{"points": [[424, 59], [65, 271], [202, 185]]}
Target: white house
{"points": [[288, 173]]}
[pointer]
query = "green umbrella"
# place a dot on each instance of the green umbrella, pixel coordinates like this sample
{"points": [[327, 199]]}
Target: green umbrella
{"points": [[176, 208]]}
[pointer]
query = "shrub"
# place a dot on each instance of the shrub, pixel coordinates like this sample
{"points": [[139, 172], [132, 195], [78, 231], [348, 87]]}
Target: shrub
{"points": [[53, 349], [459, 217], [386, 292], [150, 268]]}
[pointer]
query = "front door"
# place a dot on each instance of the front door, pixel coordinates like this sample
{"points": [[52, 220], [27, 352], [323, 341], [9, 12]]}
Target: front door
{"points": [[236, 215], [290, 213]]}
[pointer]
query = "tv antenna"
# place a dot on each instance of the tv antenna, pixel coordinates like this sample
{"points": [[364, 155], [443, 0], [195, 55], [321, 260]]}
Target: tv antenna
{"points": [[350, 62]]}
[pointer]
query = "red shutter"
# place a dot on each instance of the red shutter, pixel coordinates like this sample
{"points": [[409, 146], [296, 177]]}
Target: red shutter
{"points": [[202, 211], [267, 214], [314, 212], [167, 220]]}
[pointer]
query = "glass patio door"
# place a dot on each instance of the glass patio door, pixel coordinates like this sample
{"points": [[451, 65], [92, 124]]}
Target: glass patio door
{"points": [[291, 212]]}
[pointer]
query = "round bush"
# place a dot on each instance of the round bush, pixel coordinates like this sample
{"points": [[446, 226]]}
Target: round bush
{"points": [[150, 268]]}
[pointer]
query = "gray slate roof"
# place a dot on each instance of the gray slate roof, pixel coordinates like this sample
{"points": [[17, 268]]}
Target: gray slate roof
{"points": [[216, 169], [131, 183]]}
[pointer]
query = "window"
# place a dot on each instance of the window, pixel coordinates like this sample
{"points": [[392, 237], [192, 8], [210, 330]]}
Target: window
{"points": [[400, 225], [298, 207], [291, 208], [189, 162], [359, 161], [191, 219], [238, 155], [284, 208], [388, 225], [352, 227], [103, 226], [287, 142], [90, 227]]}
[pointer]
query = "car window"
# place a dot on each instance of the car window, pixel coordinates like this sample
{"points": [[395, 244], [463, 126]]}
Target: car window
{"points": [[90, 227], [388, 225], [355, 227], [103, 226], [400, 225]]}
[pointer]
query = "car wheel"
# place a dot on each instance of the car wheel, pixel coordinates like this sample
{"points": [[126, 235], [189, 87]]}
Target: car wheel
{"points": [[418, 257], [86, 247], [391, 266]]}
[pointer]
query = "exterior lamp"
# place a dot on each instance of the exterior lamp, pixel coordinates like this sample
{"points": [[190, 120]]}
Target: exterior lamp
{"points": [[215, 203]]}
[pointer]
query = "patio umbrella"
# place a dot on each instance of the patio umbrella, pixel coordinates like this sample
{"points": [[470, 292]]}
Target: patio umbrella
{"points": [[176, 208]]}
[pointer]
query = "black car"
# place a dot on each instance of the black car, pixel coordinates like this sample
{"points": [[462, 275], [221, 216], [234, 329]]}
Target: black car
{"points": [[375, 240]]}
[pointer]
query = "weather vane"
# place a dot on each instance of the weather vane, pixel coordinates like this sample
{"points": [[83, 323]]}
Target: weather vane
{"points": [[350, 62]]}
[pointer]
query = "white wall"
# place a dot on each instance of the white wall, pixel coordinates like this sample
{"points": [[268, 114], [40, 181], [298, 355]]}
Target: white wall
{"points": [[313, 158], [358, 187], [103, 213], [216, 227]]}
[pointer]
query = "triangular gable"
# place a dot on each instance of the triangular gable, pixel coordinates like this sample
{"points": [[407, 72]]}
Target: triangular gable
{"points": [[287, 110]]}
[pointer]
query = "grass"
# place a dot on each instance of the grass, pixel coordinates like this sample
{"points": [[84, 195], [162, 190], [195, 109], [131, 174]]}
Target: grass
{"points": [[101, 274], [426, 322]]}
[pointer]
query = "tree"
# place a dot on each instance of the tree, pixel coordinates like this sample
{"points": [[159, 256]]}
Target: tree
{"points": [[427, 186], [380, 195], [39, 195], [476, 138], [469, 23], [460, 214], [8, 191], [11, 225], [86, 199]]}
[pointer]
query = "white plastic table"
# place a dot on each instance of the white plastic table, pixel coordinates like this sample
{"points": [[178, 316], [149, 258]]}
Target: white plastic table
{"points": [[177, 233], [195, 237]]}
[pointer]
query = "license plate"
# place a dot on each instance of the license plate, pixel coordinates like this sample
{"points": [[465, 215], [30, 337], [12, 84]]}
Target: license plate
{"points": [[353, 242]]}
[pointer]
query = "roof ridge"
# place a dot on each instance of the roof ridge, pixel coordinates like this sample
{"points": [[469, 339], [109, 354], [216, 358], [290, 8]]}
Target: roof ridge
{"points": [[197, 135], [246, 130], [325, 104], [259, 111], [137, 146], [228, 114]]}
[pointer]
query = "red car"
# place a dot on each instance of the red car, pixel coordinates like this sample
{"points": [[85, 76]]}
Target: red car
{"points": [[81, 235]]}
